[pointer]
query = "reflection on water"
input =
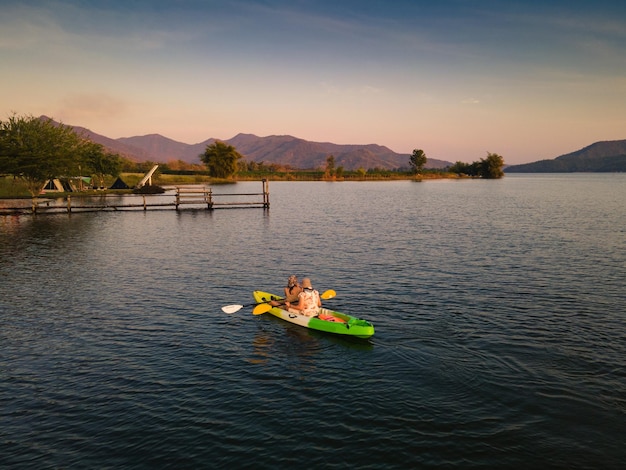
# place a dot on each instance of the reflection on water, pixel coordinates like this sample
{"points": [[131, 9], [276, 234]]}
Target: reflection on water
{"points": [[297, 341], [262, 348], [284, 341], [499, 339]]}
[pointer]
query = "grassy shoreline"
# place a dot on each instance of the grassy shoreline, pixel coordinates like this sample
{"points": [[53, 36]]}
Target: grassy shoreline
{"points": [[11, 188]]}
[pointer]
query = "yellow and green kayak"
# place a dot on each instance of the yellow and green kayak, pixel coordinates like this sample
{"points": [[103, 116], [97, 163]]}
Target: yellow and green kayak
{"points": [[327, 320]]}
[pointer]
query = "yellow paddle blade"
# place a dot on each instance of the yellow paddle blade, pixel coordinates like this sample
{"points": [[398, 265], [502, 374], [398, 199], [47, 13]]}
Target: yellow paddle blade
{"points": [[259, 309], [329, 294]]}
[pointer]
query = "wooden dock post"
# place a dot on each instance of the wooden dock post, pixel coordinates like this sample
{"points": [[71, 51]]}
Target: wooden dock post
{"points": [[69, 204], [208, 197], [266, 194]]}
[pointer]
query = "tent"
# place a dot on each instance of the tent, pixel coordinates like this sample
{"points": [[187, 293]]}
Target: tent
{"points": [[58, 185], [119, 184], [53, 185], [67, 184]]}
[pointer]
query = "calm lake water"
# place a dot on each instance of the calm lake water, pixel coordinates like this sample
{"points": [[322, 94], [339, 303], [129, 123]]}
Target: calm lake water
{"points": [[499, 307]]}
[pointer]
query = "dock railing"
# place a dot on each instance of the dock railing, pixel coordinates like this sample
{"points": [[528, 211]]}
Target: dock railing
{"points": [[204, 195], [185, 196], [194, 195]]}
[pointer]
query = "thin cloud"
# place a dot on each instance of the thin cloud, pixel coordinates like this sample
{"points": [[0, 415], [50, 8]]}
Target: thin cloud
{"points": [[92, 105]]}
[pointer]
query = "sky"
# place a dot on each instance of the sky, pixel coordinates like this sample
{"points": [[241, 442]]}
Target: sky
{"points": [[528, 80]]}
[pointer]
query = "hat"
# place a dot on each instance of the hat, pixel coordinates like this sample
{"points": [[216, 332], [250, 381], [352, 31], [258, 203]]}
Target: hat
{"points": [[306, 283], [292, 281]]}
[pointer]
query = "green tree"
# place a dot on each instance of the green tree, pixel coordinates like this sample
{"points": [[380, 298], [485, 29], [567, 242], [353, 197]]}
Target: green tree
{"points": [[417, 161], [220, 159], [491, 167], [37, 149], [100, 162], [128, 165], [459, 168], [330, 167]]}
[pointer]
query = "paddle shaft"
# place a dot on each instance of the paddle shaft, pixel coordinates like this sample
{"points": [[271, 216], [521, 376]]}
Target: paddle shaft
{"points": [[329, 294], [264, 307]]}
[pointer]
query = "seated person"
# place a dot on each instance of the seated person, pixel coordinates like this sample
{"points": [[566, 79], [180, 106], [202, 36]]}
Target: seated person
{"points": [[309, 300], [292, 291]]}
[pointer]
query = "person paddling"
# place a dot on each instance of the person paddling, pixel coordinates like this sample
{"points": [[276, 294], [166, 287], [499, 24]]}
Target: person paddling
{"points": [[309, 302], [292, 290]]}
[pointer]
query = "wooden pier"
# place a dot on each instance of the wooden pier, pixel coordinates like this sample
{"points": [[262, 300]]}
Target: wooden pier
{"points": [[185, 197]]}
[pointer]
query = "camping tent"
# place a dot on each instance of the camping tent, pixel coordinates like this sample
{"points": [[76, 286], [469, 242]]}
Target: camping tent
{"points": [[58, 185], [67, 184], [119, 184], [53, 185]]}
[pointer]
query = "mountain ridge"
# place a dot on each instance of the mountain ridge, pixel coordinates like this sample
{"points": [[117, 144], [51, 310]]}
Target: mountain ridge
{"points": [[279, 149], [602, 156]]}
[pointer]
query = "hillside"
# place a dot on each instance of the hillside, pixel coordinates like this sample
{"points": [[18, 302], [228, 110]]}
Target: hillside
{"points": [[115, 146], [606, 156], [282, 150], [161, 149]]}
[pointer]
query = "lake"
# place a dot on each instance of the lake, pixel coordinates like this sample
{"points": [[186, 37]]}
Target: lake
{"points": [[499, 308]]}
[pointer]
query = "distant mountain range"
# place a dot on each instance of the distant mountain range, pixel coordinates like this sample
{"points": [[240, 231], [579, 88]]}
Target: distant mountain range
{"points": [[279, 149], [606, 156]]}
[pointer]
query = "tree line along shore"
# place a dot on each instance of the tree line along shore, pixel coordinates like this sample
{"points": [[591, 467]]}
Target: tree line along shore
{"points": [[34, 151]]}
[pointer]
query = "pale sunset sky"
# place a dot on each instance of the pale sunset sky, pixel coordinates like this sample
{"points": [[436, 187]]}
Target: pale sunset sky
{"points": [[457, 78]]}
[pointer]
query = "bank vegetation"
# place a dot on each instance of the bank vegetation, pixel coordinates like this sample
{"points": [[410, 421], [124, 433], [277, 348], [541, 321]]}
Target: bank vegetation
{"points": [[34, 151]]}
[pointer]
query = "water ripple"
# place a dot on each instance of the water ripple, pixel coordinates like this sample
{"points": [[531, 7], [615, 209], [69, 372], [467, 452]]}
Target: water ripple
{"points": [[500, 340]]}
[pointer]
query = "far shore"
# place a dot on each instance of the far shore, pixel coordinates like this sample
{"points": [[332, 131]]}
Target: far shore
{"points": [[11, 188]]}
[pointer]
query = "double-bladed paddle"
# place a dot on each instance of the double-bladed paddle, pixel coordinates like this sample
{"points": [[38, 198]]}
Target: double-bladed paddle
{"points": [[262, 307]]}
